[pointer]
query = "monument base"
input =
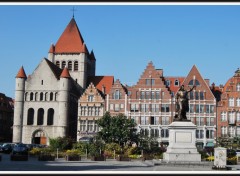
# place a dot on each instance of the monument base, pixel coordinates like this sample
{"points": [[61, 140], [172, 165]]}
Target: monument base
{"points": [[182, 143]]}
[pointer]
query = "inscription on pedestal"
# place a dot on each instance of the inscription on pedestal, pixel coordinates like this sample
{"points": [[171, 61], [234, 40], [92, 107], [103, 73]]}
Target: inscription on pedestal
{"points": [[183, 137]]}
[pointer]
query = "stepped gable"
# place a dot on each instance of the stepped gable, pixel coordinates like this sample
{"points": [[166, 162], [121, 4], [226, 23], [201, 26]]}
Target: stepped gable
{"points": [[151, 73], [232, 81]]}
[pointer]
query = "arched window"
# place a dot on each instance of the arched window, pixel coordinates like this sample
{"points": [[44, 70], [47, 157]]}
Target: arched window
{"points": [[40, 116], [76, 66], [31, 96], [30, 116], [26, 95], [194, 82], [63, 64], [58, 63], [50, 116], [41, 96], [51, 96], [70, 65]]}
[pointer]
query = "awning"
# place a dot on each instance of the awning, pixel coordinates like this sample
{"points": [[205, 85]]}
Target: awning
{"points": [[210, 144]]}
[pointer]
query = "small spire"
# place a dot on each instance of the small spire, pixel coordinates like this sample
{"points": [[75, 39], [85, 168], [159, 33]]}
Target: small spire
{"points": [[65, 73], [21, 73]]}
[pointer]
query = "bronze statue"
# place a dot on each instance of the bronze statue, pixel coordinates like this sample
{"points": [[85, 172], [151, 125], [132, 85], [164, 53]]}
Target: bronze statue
{"points": [[182, 106]]}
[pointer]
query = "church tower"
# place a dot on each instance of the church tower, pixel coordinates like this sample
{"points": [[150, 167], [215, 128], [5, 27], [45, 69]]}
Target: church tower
{"points": [[18, 107], [71, 51]]}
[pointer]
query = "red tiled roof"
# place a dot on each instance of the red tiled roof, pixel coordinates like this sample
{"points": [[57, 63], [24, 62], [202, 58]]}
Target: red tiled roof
{"points": [[71, 40], [65, 73], [100, 81], [52, 48], [172, 87], [21, 73]]}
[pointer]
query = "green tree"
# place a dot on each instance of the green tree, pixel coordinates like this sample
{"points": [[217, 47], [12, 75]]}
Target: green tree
{"points": [[61, 143], [118, 129]]}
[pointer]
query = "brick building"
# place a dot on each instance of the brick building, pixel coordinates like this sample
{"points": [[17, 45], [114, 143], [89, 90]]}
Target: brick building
{"points": [[228, 117], [6, 118]]}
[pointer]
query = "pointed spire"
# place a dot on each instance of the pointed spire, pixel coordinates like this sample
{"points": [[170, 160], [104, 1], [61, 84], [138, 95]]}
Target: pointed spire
{"points": [[21, 73], [85, 50], [65, 73], [52, 48], [71, 40], [92, 56]]}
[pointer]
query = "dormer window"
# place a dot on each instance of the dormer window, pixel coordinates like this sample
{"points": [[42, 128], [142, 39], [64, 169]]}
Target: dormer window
{"points": [[168, 83], [176, 83]]}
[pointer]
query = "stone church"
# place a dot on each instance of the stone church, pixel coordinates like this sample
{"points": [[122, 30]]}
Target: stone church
{"points": [[46, 101]]}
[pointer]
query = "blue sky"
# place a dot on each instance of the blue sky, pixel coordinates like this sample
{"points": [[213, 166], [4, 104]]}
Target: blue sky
{"points": [[125, 38]]}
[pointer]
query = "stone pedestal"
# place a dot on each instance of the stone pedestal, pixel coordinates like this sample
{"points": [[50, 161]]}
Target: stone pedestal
{"points": [[182, 143]]}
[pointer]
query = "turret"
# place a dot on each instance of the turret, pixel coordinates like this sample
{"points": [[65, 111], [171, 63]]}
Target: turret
{"points": [[18, 107], [63, 101], [51, 53]]}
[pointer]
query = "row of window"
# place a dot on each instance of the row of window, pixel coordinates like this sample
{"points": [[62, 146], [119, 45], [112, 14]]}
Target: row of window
{"points": [[88, 125], [231, 102], [155, 132], [230, 116], [41, 96], [208, 133], [165, 133], [200, 108], [71, 65], [40, 116], [230, 131], [165, 120], [89, 111], [149, 107], [177, 83], [116, 107]]}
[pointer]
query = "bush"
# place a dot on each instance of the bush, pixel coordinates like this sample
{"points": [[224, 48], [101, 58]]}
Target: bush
{"points": [[73, 152], [35, 151], [61, 143], [232, 161], [134, 156], [38, 151]]}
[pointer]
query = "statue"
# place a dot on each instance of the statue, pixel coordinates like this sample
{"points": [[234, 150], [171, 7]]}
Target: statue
{"points": [[182, 106]]}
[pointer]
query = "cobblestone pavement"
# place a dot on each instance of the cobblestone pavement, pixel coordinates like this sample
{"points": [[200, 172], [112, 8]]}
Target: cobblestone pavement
{"points": [[86, 165]]}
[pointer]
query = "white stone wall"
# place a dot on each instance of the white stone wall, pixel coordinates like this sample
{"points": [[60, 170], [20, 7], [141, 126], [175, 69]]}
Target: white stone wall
{"points": [[79, 75]]}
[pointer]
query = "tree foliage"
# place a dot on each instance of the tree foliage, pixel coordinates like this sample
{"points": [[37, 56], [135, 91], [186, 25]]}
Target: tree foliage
{"points": [[117, 129], [61, 143]]}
